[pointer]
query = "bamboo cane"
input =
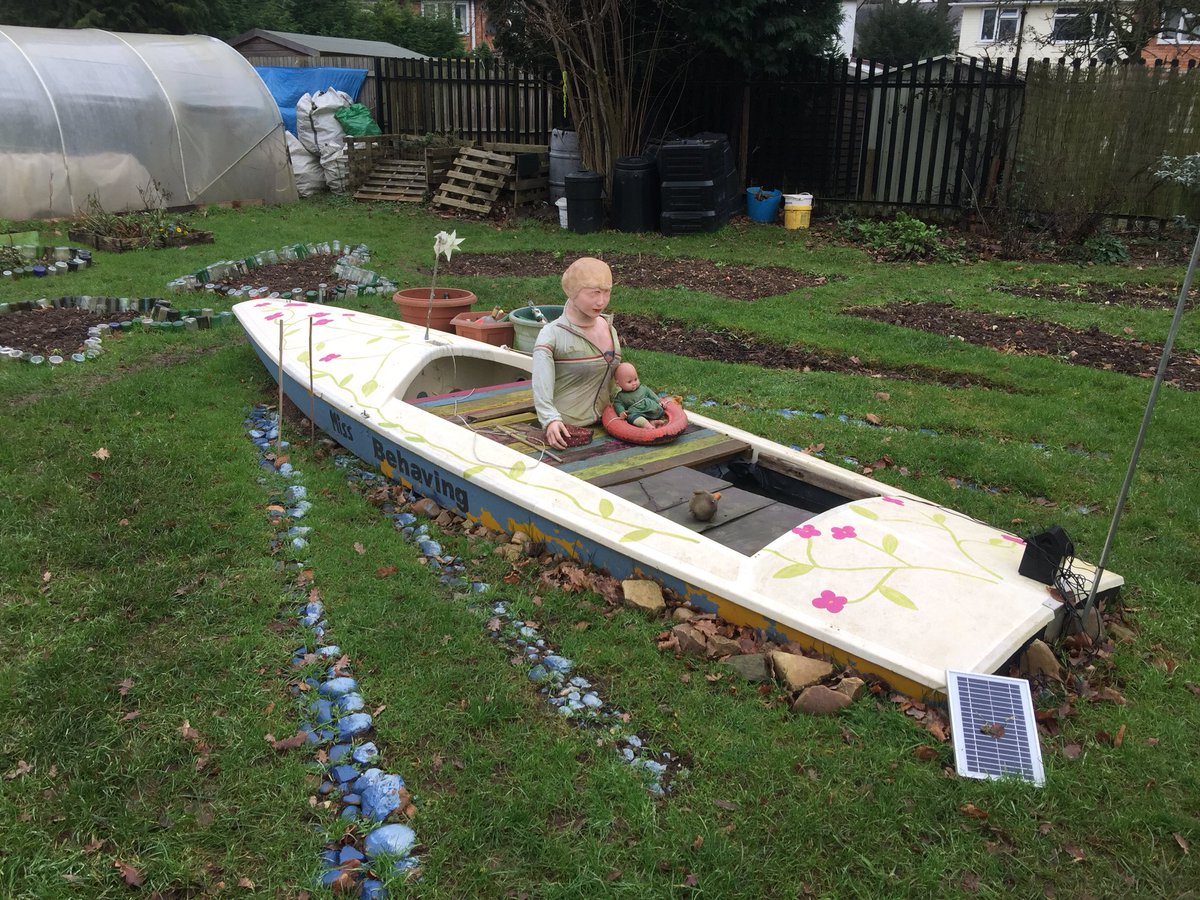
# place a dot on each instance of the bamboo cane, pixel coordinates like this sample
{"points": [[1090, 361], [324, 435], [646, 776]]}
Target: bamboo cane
{"points": [[279, 429], [312, 399]]}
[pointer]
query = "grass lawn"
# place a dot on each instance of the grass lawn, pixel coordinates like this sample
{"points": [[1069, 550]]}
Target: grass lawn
{"points": [[144, 645]]}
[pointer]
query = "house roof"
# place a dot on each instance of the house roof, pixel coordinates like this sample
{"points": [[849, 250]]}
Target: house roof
{"points": [[316, 45]]}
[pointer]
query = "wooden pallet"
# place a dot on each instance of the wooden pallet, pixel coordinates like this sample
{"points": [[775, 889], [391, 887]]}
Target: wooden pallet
{"points": [[394, 179], [474, 180]]}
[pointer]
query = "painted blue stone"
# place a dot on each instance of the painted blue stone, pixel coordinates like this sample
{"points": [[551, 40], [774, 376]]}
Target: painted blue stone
{"points": [[328, 878], [573, 695], [405, 518], [539, 673], [373, 889], [479, 586], [627, 753], [299, 530], [590, 699], [343, 773], [326, 787], [322, 712], [580, 682], [350, 853], [329, 858], [558, 663], [364, 753], [653, 766], [348, 703], [336, 687], [330, 650], [353, 724], [430, 548], [352, 799], [403, 865], [634, 741], [285, 470], [297, 492], [349, 813], [394, 840], [338, 752], [381, 797], [325, 734], [367, 778]]}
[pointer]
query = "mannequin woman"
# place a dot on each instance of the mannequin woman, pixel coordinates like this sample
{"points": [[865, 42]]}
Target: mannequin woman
{"points": [[575, 355]]}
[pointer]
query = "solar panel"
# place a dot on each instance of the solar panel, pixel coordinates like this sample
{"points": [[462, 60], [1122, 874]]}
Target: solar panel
{"points": [[995, 733]]}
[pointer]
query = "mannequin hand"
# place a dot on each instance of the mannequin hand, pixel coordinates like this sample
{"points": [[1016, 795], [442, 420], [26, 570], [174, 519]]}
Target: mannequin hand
{"points": [[556, 435]]}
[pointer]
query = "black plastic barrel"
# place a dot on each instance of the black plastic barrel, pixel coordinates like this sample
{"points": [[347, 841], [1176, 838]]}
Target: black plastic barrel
{"points": [[585, 205], [635, 193]]}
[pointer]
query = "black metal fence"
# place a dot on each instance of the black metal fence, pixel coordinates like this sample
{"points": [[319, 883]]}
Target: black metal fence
{"points": [[934, 134]]}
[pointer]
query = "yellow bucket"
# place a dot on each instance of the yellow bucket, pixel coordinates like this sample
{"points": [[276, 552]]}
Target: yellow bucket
{"points": [[796, 217]]}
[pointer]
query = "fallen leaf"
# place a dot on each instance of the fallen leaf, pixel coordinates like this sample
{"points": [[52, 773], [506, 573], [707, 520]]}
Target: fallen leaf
{"points": [[1110, 695], [124, 686], [269, 708], [970, 809], [359, 548], [246, 883], [725, 804], [289, 743], [132, 876], [1077, 855], [685, 677], [613, 875], [123, 522], [21, 768], [1072, 750], [691, 880], [46, 576], [92, 846], [94, 476], [189, 733], [699, 842], [873, 419], [993, 729], [131, 715], [385, 571], [1182, 842], [1044, 828], [102, 453], [926, 753]]}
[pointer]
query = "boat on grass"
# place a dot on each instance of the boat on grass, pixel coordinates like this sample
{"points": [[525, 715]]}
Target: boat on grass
{"points": [[867, 574]]}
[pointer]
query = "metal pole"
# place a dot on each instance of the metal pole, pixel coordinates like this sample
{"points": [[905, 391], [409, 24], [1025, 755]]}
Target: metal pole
{"points": [[279, 430], [1137, 447]]}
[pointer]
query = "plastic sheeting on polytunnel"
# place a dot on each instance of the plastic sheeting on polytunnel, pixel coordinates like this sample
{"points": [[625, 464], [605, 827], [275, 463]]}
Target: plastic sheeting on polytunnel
{"points": [[95, 112]]}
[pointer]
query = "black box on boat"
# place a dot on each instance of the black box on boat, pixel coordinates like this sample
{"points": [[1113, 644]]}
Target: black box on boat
{"points": [[1045, 553]]}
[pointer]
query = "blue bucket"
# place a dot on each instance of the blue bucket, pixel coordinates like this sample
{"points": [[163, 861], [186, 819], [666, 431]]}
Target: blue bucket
{"points": [[766, 209]]}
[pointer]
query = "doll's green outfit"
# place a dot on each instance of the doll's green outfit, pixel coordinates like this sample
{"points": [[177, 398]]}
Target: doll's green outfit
{"points": [[640, 405], [572, 379]]}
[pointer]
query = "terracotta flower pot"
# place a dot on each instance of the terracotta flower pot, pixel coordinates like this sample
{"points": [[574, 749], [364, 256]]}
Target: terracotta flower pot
{"points": [[447, 303]]}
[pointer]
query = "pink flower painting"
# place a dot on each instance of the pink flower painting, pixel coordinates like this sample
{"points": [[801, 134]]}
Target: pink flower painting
{"points": [[829, 601], [843, 532], [806, 531]]}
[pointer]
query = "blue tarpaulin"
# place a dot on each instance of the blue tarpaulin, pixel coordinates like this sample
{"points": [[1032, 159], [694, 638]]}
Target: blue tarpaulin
{"points": [[288, 84]]}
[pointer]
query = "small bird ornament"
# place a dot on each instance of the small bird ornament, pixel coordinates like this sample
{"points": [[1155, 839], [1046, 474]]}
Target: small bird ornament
{"points": [[703, 505]]}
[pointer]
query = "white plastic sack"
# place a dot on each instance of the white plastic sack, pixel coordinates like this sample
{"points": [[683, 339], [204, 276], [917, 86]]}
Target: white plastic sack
{"points": [[310, 177], [336, 167], [316, 124]]}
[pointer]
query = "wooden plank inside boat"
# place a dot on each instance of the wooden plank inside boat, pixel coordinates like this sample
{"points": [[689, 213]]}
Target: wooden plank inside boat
{"points": [[752, 532], [734, 504]]}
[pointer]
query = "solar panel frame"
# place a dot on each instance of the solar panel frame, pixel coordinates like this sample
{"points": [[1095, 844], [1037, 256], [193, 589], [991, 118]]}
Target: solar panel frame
{"points": [[994, 729]]}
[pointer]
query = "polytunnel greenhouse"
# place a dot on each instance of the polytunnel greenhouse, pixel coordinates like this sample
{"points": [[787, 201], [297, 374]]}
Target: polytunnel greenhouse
{"points": [[121, 116]]}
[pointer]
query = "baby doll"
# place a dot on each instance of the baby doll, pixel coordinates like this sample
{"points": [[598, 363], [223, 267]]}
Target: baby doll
{"points": [[635, 402]]}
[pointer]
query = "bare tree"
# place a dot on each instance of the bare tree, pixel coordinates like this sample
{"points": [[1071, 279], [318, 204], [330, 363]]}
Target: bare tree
{"points": [[608, 51], [1119, 29]]}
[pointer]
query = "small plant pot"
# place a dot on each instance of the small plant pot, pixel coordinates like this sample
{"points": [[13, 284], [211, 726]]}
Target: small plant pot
{"points": [[468, 325], [447, 303]]}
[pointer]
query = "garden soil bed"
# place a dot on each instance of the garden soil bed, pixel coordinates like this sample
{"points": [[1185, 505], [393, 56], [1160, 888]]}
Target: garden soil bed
{"points": [[1022, 336], [731, 280], [52, 329], [647, 333], [308, 274], [1150, 296]]}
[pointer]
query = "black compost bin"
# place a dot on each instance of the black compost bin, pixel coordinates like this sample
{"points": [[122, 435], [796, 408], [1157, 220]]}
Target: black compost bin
{"points": [[635, 194], [585, 204]]}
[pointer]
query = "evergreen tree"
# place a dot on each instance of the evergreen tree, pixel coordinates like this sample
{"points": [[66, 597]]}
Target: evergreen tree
{"points": [[899, 32]]}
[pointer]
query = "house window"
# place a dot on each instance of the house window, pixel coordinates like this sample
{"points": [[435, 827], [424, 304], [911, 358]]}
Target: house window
{"points": [[1071, 24], [1181, 26], [456, 9], [999, 25]]}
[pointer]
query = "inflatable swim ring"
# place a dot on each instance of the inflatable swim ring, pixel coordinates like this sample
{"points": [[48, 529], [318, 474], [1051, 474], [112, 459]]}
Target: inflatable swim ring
{"points": [[677, 421]]}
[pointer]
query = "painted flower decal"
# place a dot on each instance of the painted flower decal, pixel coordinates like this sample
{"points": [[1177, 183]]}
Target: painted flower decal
{"points": [[1013, 538], [843, 532], [806, 531], [329, 357], [895, 500], [829, 601]]}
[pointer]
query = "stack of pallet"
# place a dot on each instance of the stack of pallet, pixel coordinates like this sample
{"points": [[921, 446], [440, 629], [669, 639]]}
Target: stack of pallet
{"points": [[475, 180], [515, 174], [394, 179]]}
